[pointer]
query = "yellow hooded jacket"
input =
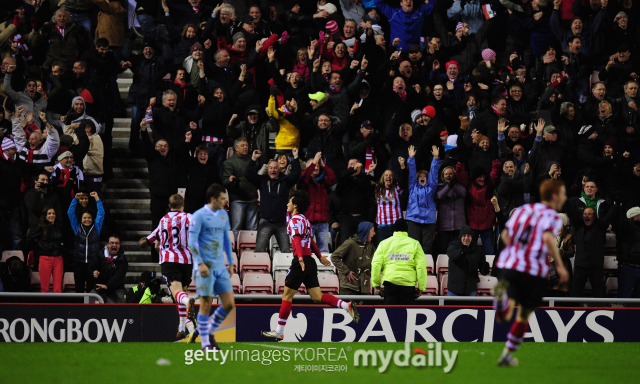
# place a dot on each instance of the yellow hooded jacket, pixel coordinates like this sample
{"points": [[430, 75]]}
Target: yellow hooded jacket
{"points": [[401, 260], [288, 134]]}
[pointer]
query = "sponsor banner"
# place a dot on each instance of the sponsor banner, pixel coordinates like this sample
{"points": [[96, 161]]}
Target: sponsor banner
{"points": [[432, 323]]}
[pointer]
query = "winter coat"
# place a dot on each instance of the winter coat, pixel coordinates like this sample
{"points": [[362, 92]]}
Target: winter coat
{"points": [[41, 155], [354, 192], [142, 88], [627, 239], [480, 212], [216, 116], [11, 176], [464, 263], [111, 274], [172, 125], [258, 133], [422, 207], [240, 189], [86, 241], [318, 211], [36, 201], [49, 244], [576, 205], [274, 193], [166, 174], [354, 255], [329, 142], [112, 21], [201, 176], [451, 202], [400, 270], [288, 133], [590, 241], [511, 191], [407, 26], [471, 13], [59, 48], [37, 105]]}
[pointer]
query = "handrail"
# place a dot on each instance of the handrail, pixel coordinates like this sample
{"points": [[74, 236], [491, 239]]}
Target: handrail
{"points": [[86, 296], [441, 299]]}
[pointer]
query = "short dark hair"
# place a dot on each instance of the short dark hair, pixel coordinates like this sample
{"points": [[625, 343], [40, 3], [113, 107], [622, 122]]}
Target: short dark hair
{"points": [[336, 73], [301, 200], [572, 39], [102, 43], [497, 99], [115, 236], [214, 191]]}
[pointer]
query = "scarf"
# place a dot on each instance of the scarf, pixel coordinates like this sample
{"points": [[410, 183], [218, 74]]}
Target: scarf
{"points": [[22, 47], [495, 111], [107, 256], [196, 9], [369, 157], [402, 95], [61, 30], [590, 203], [333, 89], [184, 88], [4, 155], [285, 110]]}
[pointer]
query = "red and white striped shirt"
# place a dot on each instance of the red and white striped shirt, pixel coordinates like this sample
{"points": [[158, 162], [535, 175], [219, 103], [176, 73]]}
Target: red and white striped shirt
{"points": [[526, 251], [389, 209], [173, 233], [298, 225]]}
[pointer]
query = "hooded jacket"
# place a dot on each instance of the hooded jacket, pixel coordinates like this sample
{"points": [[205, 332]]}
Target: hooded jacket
{"points": [[111, 274], [354, 255], [451, 201], [87, 240], [407, 26], [274, 193], [407, 266], [464, 263], [37, 105], [318, 211], [288, 134], [422, 207], [480, 212], [257, 135], [78, 118]]}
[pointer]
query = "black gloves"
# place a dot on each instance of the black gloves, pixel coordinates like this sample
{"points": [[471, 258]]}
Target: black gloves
{"points": [[484, 268], [273, 91]]}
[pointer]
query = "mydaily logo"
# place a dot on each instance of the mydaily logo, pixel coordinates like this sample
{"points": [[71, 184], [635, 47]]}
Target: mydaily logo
{"points": [[419, 358], [61, 330]]}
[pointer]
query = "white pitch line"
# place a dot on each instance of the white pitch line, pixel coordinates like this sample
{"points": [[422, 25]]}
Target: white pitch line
{"points": [[271, 346]]}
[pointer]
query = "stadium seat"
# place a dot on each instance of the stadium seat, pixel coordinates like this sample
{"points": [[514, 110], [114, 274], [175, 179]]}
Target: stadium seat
{"points": [[485, 285], [443, 284], [432, 286], [257, 283], [35, 282], [273, 246], [329, 283], [233, 241], [490, 259], [280, 280], [258, 262], [7, 254], [68, 283], [281, 262], [588, 291], [610, 244], [430, 264], [611, 287], [323, 268], [235, 262], [235, 283], [442, 265], [610, 265], [246, 240]]}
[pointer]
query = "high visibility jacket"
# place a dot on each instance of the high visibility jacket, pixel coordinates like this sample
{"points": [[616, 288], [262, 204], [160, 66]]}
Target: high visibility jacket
{"points": [[401, 260]]}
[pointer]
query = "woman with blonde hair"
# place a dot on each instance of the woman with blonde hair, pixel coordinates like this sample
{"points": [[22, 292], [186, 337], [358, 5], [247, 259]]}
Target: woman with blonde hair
{"points": [[387, 194]]}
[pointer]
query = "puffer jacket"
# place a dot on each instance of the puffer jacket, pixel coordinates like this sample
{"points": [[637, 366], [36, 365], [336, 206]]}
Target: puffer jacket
{"points": [[451, 212], [464, 263], [86, 241], [422, 207], [408, 266], [479, 208], [318, 211], [354, 255]]}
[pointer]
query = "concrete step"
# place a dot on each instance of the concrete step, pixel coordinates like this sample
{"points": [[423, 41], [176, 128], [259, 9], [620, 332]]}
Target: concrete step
{"points": [[125, 75], [125, 224], [123, 132], [125, 82], [135, 234], [129, 183], [144, 266], [122, 122], [131, 173], [139, 204], [139, 256], [115, 194], [131, 214], [120, 143]]}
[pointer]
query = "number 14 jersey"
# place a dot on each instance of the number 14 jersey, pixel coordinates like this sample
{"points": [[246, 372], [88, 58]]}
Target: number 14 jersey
{"points": [[173, 233], [526, 251]]}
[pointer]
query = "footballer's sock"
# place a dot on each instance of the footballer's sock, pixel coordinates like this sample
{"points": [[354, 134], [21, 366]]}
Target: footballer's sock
{"points": [[285, 311], [189, 326], [182, 312], [514, 337], [219, 315], [182, 298], [334, 301], [501, 305], [203, 327]]}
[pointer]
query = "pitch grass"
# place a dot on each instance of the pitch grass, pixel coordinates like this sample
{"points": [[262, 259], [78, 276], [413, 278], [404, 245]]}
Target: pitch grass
{"points": [[137, 363]]}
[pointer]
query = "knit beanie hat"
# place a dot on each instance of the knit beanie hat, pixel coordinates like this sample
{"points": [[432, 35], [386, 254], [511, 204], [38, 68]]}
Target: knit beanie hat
{"points": [[196, 46], [429, 111], [7, 143], [458, 26], [237, 36], [633, 212], [488, 54], [332, 26], [400, 226], [613, 143], [363, 230], [415, 114]]}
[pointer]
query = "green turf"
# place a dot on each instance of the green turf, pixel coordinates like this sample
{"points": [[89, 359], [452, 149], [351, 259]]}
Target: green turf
{"points": [[137, 363]]}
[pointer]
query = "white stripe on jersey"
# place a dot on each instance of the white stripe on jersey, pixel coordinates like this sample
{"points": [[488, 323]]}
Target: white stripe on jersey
{"points": [[298, 225], [389, 207], [173, 233], [526, 251]]}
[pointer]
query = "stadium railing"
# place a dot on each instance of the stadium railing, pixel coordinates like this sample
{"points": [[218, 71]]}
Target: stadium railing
{"points": [[38, 297]]}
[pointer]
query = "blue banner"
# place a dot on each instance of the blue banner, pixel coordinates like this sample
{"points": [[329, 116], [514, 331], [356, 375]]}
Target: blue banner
{"points": [[432, 323]]}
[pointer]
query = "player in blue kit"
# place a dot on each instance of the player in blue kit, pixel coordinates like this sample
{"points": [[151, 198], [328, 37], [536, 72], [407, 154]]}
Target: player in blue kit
{"points": [[208, 238]]}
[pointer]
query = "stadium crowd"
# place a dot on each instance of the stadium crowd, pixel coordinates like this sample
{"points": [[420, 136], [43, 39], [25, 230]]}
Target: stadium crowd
{"points": [[448, 114]]}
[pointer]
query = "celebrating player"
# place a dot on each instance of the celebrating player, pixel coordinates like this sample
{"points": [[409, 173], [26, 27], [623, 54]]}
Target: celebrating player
{"points": [[303, 267], [175, 259], [208, 237], [529, 237]]}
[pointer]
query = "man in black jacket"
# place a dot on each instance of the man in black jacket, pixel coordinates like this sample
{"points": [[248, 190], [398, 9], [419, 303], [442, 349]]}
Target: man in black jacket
{"points": [[627, 227], [166, 175], [274, 196], [355, 192], [171, 123], [465, 259], [590, 237], [109, 268]]}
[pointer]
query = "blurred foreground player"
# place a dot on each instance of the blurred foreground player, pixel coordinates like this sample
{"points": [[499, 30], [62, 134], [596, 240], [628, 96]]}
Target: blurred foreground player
{"points": [[208, 237], [176, 263], [529, 237], [303, 268]]}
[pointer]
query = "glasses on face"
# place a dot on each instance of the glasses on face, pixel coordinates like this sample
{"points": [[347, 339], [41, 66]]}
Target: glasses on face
{"points": [[162, 146]]}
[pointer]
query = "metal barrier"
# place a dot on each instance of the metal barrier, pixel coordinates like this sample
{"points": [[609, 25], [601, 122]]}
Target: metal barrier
{"points": [[441, 299], [86, 296]]}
